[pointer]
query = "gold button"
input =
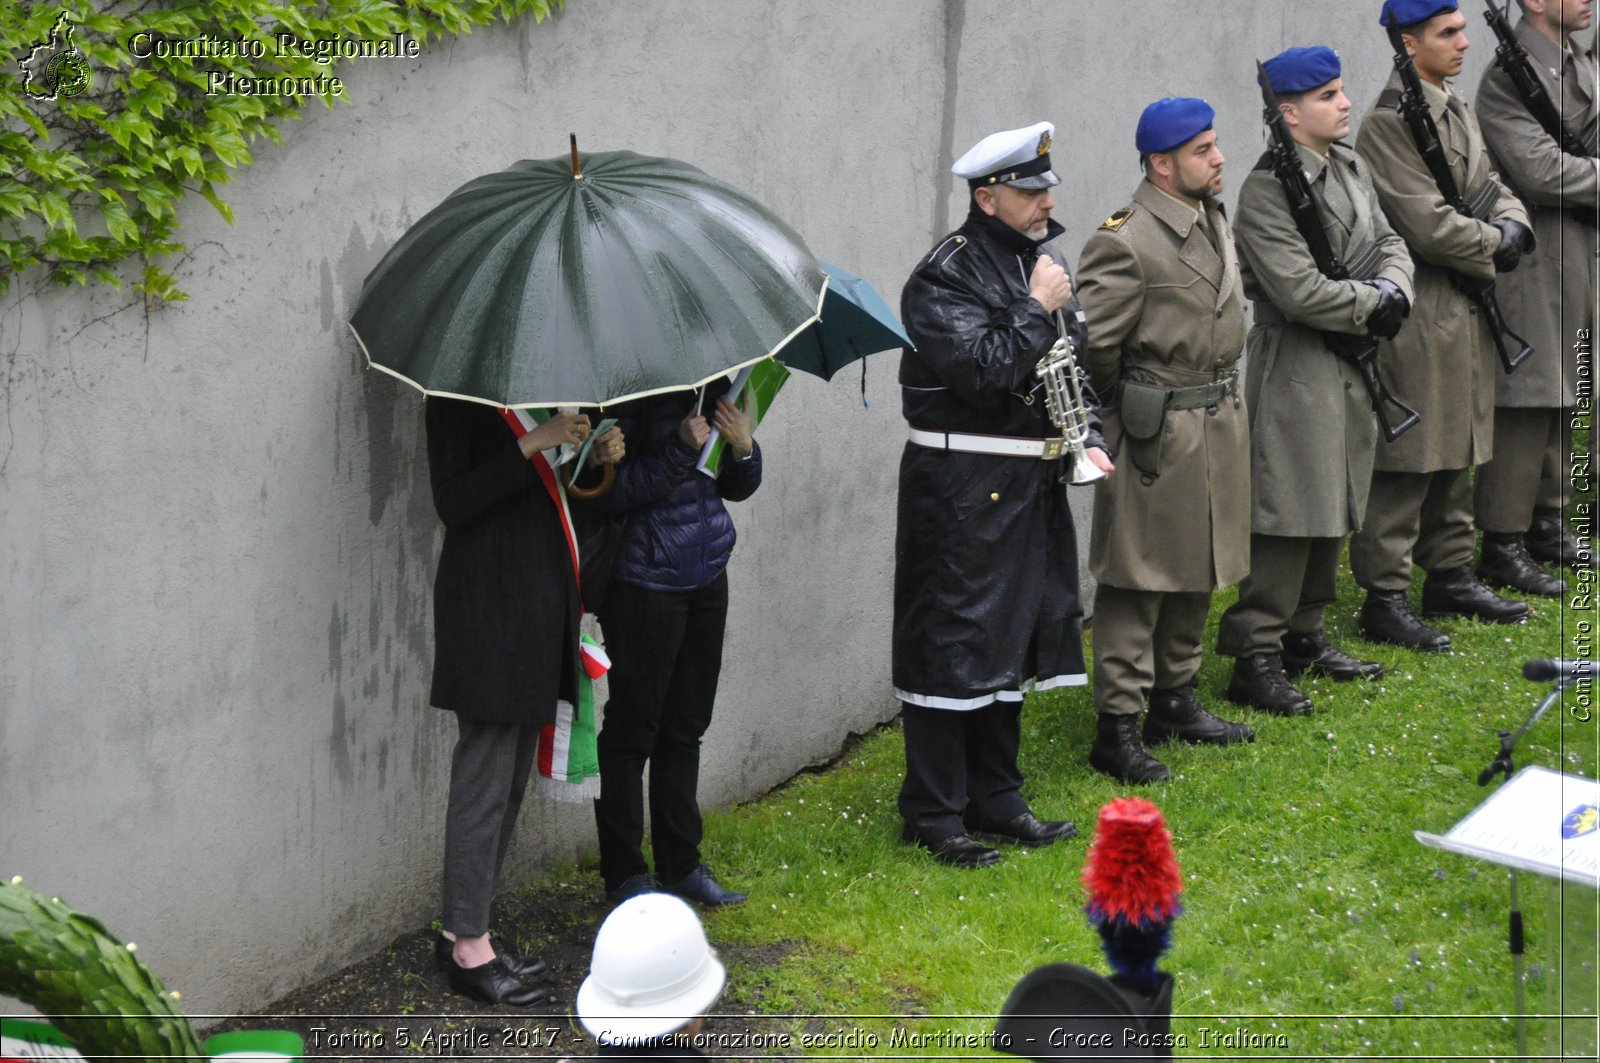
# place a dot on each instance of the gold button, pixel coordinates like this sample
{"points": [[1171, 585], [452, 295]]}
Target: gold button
{"points": [[994, 496]]}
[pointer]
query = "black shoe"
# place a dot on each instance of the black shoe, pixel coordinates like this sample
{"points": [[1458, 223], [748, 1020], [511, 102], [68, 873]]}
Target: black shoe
{"points": [[1550, 543], [493, 983], [1315, 654], [1179, 714], [444, 956], [958, 850], [1258, 681], [633, 886], [1456, 592], [1386, 616], [1027, 830], [1505, 563], [1118, 752], [702, 887]]}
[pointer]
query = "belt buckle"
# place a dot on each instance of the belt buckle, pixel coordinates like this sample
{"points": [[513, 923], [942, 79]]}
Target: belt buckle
{"points": [[1053, 448]]}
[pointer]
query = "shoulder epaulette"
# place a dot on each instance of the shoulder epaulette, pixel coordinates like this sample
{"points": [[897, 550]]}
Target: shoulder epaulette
{"points": [[1265, 162], [947, 249], [1117, 220], [1389, 99]]}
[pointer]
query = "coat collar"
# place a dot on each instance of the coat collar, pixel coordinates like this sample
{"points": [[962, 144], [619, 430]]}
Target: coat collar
{"points": [[1548, 57], [1197, 251]]}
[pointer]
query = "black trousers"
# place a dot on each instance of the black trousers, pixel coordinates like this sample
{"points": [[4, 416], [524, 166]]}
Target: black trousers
{"points": [[666, 656], [961, 769], [489, 773]]}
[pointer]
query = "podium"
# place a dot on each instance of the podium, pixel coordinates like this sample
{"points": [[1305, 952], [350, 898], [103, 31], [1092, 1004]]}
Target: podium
{"points": [[1547, 823]]}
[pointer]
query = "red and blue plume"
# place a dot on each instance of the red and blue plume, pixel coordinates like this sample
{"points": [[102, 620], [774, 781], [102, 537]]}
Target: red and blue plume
{"points": [[1134, 885]]}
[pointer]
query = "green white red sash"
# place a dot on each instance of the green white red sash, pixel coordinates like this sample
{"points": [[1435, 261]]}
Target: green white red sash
{"points": [[569, 765]]}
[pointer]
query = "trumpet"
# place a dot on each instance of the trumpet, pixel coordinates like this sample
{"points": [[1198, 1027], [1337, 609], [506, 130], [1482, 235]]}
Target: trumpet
{"points": [[1063, 400]]}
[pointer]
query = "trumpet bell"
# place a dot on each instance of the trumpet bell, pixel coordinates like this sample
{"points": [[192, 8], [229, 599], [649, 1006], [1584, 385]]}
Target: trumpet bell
{"points": [[1081, 471]]}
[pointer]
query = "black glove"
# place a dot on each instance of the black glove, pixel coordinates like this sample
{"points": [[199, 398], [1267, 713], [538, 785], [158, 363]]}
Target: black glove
{"points": [[1392, 309], [1516, 239]]}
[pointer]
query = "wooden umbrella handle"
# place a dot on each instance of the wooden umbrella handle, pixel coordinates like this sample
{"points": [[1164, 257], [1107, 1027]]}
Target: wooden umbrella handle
{"points": [[607, 478]]}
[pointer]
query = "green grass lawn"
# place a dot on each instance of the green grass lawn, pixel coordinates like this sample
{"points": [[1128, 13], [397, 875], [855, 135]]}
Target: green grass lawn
{"points": [[1310, 910]]}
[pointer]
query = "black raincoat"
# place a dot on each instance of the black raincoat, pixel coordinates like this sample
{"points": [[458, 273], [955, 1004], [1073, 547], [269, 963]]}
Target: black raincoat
{"points": [[986, 559]]}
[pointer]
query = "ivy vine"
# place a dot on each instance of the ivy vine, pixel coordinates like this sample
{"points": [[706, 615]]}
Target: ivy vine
{"points": [[112, 114]]}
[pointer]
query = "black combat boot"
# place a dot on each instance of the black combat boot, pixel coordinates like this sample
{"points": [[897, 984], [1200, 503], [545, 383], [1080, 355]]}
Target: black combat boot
{"points": [[1386, 616], [1179, 714], [1258, 681], [1550, 543], [1456, 592], [1118, 752], [1315, 654], [1505, 563]]}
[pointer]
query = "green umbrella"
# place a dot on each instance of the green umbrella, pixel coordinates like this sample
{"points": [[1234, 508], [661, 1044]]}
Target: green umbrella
{"points": [[544, 286]]}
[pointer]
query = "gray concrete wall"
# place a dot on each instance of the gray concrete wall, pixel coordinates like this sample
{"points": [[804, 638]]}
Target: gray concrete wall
{"points": [[215, 532]]}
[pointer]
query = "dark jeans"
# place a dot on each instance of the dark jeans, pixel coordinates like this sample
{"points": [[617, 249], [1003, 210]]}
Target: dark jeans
{"points": [[666, 655], [961, 769]]}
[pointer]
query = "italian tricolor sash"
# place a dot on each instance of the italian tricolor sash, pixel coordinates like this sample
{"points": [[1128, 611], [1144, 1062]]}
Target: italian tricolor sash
{"points": [[569, 765]]}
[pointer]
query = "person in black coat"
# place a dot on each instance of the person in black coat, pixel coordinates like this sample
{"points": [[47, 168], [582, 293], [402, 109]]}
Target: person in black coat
{"points": [[986, 571], [506, 613], [663, 616]]}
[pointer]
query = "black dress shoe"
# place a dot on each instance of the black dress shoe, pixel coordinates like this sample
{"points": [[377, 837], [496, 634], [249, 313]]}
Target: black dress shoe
{"points": [[1456, 592], [1505, 563], [1118, 752], [1258, 681], [1550, 543], [958, 850], [493, 983], [1026, 830], [1178, 714], [1386, 616], [444, 956], [1315, 654], [702, 887], [633, 886]]}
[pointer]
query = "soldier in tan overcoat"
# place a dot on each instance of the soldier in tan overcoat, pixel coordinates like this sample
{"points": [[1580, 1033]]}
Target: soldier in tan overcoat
{"points": [[1444, 366], [1159, 283], [1521, 495], [1312, 429]]}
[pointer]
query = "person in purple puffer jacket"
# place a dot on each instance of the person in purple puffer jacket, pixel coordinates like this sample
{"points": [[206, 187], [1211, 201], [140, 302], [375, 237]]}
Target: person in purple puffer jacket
{"points": [[663, 617]]}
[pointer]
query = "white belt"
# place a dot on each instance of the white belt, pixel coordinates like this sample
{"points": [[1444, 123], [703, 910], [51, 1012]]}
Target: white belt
{"points": [[1003, 446]]}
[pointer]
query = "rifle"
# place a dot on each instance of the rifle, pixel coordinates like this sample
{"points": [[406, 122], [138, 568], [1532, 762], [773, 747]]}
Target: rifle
{"points": [[1512, 57], [1360, 351], [1414, 109]]}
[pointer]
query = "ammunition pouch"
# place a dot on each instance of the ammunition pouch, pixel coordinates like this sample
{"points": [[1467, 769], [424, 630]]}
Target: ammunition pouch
{"points": [[1144, 407]]}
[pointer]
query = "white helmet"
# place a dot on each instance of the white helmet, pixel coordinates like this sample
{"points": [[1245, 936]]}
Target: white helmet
{"points": [[653, 972]]}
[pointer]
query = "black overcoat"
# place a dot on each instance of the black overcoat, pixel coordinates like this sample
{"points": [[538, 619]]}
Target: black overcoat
{"points": [[986, 560], [505, 600]]}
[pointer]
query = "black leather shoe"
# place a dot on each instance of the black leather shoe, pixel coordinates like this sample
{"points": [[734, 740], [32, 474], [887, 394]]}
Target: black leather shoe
{"points": [[1456, 592], [1505, 563], [702, 887], [1179, 714], [1550, 543], [1258, 681], [958, 850], [1118, 752], [1386, 616], [633, 886], [1315, 654], [493, 983], [444, 956], [1026, 830]]}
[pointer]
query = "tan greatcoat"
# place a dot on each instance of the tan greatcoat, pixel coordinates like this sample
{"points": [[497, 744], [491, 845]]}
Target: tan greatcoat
{"points": [[1443, 363], [1551, 293], [1312, 429], [1165, 308]]}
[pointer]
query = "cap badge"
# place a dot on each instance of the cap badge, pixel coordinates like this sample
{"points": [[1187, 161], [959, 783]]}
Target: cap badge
{"points": [[1044, 144]]}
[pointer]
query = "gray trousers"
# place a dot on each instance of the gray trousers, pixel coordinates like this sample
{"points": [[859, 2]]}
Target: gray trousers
{"points": [[1421, 517], [1291, 581], [489, 774], [1532, 468], [1144, 640]]}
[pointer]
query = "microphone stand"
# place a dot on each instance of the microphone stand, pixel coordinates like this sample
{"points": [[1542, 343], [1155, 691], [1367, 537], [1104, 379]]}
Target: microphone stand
{"points": [[1502, 764]]}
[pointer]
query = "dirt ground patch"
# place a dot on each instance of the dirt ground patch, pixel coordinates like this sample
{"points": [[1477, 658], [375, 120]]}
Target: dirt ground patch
{"points": [[395, 1005]]}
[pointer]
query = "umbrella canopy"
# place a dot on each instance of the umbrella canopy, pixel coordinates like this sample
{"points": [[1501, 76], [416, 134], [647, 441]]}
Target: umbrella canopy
{"points": [[855, 322], [537, 286]]}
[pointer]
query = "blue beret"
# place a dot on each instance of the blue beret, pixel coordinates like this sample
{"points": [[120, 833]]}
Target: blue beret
{"points": [[1411, 12], [1167, 123], [1298, 69]]}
